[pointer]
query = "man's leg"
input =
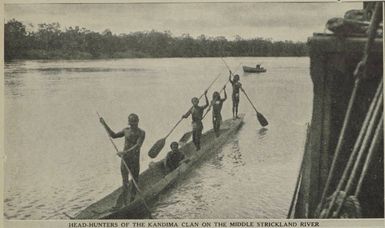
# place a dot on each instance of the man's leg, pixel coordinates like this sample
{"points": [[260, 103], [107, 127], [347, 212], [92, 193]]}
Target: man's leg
{"points": [[134, 168], [199, 134], [233, 108], [234, 100], [216, 127], [122, 199], [195, 138], [236, 108], [219, 121]]}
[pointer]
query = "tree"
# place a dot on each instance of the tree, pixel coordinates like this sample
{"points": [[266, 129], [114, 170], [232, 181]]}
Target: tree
{"points": [[50, 41], [14, 39]]}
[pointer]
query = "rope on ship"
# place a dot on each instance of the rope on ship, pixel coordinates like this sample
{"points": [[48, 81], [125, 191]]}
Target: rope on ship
{"points": [[343, 203]]}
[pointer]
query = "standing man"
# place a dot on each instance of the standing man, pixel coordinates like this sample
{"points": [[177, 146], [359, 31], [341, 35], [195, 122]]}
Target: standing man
{"points": [[196, 112], [217, 104], [134, 137], [235, 96]]}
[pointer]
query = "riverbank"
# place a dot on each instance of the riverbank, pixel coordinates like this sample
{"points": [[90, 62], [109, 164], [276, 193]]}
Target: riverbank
{"points": [[39, 54], [50, 41], [78, 55]]}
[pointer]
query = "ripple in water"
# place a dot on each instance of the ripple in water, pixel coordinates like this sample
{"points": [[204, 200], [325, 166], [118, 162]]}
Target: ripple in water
{"points": [[253, 176]]}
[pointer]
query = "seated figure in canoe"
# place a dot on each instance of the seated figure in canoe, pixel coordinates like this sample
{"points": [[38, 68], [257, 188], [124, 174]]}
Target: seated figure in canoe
{"points": [[217, 104], [174, 158], [134, 137], [196, 113], [237, 86]]}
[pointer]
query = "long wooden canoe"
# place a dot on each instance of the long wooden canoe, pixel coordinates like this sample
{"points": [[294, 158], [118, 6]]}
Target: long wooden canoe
{"points": [[157, 179]]}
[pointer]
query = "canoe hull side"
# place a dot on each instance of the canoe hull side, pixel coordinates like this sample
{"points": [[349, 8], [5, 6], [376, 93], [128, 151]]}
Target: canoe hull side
{"points": [[136, 209]]}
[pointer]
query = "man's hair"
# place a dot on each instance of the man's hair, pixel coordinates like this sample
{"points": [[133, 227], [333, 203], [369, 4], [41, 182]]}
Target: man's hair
{"points": [[216, 94], [174, 143], [194, 98], [133, 117]]}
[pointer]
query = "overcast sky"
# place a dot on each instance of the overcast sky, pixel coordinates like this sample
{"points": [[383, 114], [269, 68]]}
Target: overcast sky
{"points": [[279, 21]]}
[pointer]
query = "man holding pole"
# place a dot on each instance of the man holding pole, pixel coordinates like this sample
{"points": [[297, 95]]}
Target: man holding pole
{"points": [[196, 113], [134, 137], [235, 95]]}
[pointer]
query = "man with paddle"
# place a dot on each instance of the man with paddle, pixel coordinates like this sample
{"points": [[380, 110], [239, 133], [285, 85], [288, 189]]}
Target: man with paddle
{"points": [[134, 137], [196, 112], [262, 120], [235, 96]]}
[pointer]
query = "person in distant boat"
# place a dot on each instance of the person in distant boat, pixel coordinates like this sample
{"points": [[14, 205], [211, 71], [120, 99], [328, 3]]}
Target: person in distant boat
{"points": [[134, 138], [196, 112], [174, 157], [217, 104], [235, 96]]}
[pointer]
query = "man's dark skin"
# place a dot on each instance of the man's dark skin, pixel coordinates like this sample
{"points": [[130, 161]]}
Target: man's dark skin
{"points": [[217, 104], [174, 157], [196, 112], [134, 137], [235, 96]]}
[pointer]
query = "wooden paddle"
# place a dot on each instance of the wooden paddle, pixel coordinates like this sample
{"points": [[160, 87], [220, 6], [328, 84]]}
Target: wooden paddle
{"points": [[130, 173], [188, 134], [262, 120], [158, 146]]}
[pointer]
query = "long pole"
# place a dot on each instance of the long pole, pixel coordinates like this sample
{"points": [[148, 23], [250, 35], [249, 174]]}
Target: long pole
{"points": [[299, 177], [363, 64]]}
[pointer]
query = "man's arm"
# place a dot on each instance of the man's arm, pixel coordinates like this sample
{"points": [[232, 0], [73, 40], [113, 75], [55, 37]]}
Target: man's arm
{"points": [[207, 101], [231, 81], [187, 114], [224, 91], [110, 132]]}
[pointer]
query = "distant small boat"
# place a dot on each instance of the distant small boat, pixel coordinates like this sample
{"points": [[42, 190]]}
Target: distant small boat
{"points": [[257, 69]]}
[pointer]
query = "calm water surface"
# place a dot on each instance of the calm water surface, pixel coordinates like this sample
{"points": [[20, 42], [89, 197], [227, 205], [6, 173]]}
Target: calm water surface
{"points": [[58, 158]]}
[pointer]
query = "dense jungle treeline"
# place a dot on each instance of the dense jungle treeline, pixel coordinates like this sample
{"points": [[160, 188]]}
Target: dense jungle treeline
{"points": [[49, 41]]}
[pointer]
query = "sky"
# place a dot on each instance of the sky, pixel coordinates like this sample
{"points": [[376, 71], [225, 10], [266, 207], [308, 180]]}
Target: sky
{"points": [[278, 21]]}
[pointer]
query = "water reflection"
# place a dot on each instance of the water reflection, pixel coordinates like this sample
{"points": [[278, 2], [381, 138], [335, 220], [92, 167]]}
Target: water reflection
{"points": [[57, 70], [236, 154], [262, 132], [217, 161], [65, 95], [13, 84]]}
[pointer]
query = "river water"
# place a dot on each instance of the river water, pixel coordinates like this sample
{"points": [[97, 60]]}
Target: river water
{"points": [[58, 158]]}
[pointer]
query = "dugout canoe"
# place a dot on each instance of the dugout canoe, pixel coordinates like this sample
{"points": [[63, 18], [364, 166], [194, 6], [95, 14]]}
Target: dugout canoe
{"points": [[157, 179], [253, 69]]}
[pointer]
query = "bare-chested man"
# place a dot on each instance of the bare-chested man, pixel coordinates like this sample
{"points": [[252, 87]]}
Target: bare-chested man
{"points": [[134, 137], [196, 113], [217, 104], [235, 96]]}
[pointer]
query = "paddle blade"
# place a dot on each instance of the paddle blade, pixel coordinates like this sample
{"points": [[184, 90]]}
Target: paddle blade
{"points": [[185, 137], [262, 120], [156, 148]]}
